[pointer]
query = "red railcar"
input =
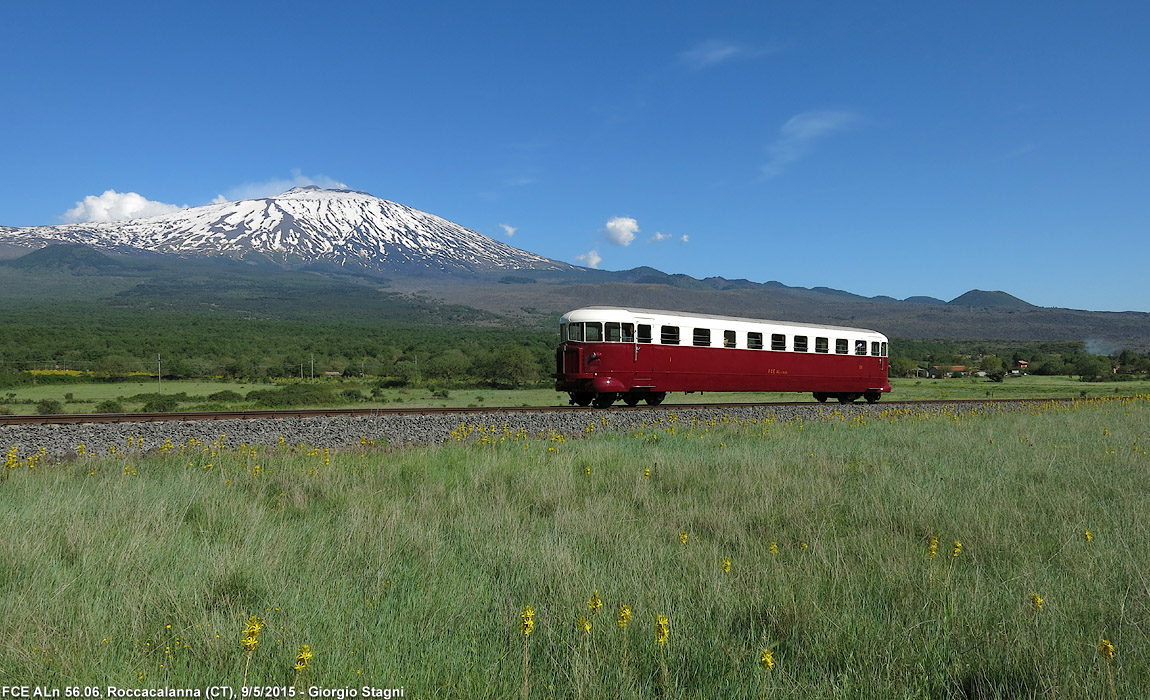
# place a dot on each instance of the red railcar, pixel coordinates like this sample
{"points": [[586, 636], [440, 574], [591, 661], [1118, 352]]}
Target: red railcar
{"points": [[608, 353]]}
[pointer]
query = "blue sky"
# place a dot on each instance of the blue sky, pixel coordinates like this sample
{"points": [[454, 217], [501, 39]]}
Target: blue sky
{"points": [[885, 148]]}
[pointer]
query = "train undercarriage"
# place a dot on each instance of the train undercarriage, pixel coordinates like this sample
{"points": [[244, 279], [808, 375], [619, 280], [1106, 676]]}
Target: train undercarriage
{"points": [[654, 398]]}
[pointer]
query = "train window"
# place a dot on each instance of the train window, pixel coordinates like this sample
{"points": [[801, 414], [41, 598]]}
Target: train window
{"points": [[778, 341], [574, 331], [874, 348], [841, 346], [628, 332], [728, 339], [755, 341], [884, 349], [822, 345], [613, 333], [702, 338], [594, 332], [644, 333], [800, 343], [860, 347], [669, 335]]}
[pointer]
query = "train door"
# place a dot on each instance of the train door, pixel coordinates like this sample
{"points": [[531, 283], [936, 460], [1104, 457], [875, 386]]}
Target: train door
{"points": [[644, 337]]}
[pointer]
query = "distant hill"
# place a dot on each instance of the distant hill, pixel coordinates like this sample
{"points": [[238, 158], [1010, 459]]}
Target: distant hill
{"points": [[74, 257], [977, 297]]}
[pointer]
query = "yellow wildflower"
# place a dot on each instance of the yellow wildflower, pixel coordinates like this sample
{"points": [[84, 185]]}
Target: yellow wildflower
{"points": [[1106, 649], [661, 629], [583, 624], [767, 659], [957, 549], [527, 621], [302, 657], [933, 547], [683, 537], [726, 565], [1036, 601], [1089, 535], [774, 547], [624, 615], [251, 633], [594, 604]]}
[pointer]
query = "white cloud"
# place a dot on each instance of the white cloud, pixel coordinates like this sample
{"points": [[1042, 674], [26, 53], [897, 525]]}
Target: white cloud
{"points": [[658, 237], [621, 230], [685, 238], [270, 188], [800, 132], [116, 206], [509, 230], [712, 53], [591, 259]]}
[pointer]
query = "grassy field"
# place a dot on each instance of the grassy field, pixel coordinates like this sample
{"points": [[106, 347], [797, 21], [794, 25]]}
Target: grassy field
{"points": [[86, 397], [912, 554]]}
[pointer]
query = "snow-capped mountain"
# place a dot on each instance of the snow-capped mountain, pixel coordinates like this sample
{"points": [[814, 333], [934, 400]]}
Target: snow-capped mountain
{"points": [[301, 226]]}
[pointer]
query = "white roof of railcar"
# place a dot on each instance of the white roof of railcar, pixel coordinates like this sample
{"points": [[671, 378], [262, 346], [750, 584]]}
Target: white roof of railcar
{"points": [[666, 315]]}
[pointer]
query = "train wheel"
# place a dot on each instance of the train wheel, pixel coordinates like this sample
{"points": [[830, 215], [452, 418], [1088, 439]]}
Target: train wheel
{"points": [[656, 398], [821, 397], [631, 398], [847, 398], [581, 398], [872, 396], [604, 400]]}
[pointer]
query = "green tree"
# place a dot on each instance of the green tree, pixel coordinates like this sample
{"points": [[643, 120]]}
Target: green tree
{"points": [[990, 363], [509, 367], [903, 367], [1092, 367], [449, 364]]}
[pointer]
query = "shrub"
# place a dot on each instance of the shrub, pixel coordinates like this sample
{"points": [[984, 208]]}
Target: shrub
{"points": [[293, 395], [109, 406], [351, 395], [49, 407], [226, 395], [162, 404]]}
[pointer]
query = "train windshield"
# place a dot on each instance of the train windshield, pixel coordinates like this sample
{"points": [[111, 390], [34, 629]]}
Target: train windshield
{"points": [[620, 332], [594, 332]]}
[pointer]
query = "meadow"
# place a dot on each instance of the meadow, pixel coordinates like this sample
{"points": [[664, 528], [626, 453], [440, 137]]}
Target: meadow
{"points": [[365, 393], [911, 553]]}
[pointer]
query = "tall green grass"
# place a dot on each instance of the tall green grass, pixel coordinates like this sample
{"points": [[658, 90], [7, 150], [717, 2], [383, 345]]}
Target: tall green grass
{"points": [[411, 568]]}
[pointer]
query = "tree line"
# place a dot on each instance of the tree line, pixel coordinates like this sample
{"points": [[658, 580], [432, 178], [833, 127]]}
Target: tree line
{"points": [[109, 343], [113, 345]]}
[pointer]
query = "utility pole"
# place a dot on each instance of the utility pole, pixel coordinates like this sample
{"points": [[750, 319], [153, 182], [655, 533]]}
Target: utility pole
{"points": [[313, 368], [159, 375]]}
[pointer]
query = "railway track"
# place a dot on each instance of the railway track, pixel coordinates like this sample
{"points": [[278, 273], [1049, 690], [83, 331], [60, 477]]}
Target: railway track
{"points": [[185, 416]]}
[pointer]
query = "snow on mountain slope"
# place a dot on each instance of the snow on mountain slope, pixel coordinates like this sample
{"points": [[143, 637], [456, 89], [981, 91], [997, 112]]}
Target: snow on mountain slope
{"points": [[301, 226]]}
